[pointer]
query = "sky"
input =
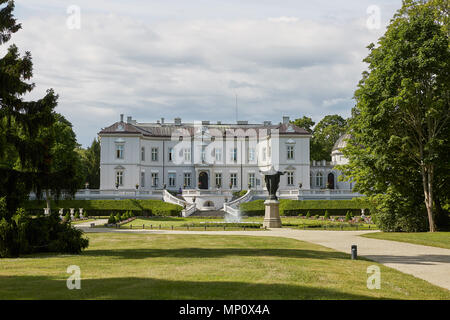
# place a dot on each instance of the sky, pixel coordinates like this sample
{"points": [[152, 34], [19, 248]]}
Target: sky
{"points": [[190, 59]]}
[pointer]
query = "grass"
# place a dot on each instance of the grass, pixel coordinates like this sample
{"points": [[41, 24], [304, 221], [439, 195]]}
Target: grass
{"points": [[291, 222], [434, 239], [152, 266]]}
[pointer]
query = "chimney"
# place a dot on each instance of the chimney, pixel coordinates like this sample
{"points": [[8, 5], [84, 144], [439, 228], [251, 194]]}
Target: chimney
{"points": [[177, 121], [121, 118], [162, 120], [285, 120], [129, 119]]}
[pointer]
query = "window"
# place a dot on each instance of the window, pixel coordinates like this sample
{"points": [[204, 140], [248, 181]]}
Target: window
{"points": [[119, 178], [142, 179], [187, 154], [290, 152], [170, 154], [154, 179], [233, 180], [142, 154], [251, 180], [203, 153], [218, 154], [233, 154], [251, 154], [218, 180], [119, 151], [319, 179], [187, 179], [172, 179], [290, 178], [154, 154]]}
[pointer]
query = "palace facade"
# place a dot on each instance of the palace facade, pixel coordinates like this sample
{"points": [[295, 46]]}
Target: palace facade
{"points": [[215, 158]]}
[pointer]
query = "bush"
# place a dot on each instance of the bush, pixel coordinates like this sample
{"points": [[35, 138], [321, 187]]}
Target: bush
{"points": [[77, 215], [348, 216], [308, 214], [67, 217], [111, 219], [327, 215], [395, 213], [26, 235], [301, 207], [106, 207]]}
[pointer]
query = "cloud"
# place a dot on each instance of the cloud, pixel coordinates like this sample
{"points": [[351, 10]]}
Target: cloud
{"points": [[192, 68]]}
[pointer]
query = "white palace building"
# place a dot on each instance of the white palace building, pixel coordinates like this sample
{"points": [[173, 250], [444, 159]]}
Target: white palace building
{"points": [[204, 163]]}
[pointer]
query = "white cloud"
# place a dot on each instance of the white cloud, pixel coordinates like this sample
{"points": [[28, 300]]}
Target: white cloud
{"points": [[193, 67]]}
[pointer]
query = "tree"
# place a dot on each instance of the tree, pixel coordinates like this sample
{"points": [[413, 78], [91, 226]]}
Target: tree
{"points": [[400, 125], [91, 164], [325, 135], [305, 123], [64, 168], [34, 155], [23, 153]]}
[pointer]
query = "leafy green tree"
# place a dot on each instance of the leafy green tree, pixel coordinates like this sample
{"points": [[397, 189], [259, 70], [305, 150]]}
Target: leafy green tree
{"points": [[91, 164], [305, 123], [400, 125], [326, 133], [64, 163]]}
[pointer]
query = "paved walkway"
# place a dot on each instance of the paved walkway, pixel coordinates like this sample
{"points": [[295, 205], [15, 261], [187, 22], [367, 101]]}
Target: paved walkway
{"points": [[428, 263], [97, 222]]}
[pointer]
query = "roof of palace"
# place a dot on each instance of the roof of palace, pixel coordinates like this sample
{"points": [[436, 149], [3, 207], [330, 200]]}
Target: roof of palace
{"points": [[341, 142], [167, 129]]}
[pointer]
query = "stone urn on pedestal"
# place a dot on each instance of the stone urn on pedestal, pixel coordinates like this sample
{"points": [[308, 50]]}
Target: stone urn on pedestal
{"points": [[272, 205]]}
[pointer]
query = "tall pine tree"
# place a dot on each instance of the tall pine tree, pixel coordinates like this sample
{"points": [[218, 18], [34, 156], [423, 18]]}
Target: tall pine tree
{"points": [[25, 153]]}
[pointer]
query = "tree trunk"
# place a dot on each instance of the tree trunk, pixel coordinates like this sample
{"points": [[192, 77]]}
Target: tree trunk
{"points": [[47, 200], [427, 179]]}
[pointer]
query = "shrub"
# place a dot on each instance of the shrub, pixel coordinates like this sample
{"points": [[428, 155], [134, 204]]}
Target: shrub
{"points": [[327, 215], [317, 216], [67, 217], [25, 235], [106, 207], [77, 215], [296, 207], [348, 216], [308, 214], [111, 219]]}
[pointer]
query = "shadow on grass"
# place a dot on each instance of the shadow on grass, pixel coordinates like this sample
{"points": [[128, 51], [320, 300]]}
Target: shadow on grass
{"points": [[421, 259], [39, 287], [204, 253]]}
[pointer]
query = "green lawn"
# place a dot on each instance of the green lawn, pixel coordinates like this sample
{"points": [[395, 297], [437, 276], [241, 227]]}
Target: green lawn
{"points": [[152, 266], [434, 239], [290, 222]]}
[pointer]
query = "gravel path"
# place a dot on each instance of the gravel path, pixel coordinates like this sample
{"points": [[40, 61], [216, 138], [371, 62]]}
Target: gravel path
{"points": [[428, 263]]}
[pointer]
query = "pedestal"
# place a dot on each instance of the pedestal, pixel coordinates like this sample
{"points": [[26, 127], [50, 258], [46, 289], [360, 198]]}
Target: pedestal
{"points": [[272, 216]]}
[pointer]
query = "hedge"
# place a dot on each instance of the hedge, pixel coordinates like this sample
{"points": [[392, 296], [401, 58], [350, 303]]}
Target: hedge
{"points": [[314, 207], [107, 207]]}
